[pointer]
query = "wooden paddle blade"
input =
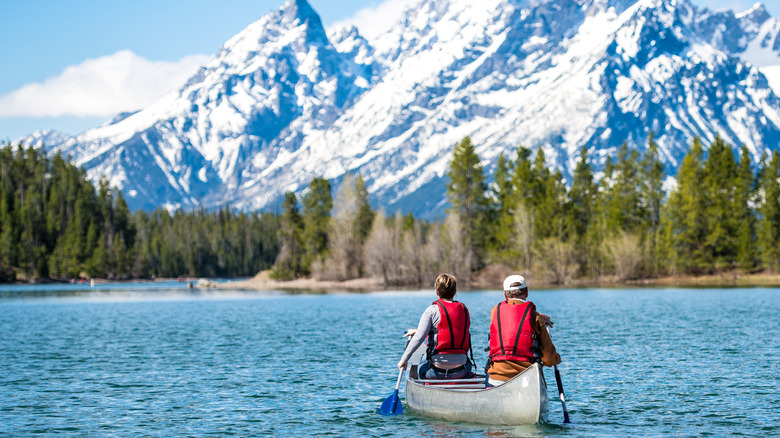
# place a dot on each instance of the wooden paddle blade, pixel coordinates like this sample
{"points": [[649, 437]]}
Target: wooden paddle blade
{"points": [[392, 405]]}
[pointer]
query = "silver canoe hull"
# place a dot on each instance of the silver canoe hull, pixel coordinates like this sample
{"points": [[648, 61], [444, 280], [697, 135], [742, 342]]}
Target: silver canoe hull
{"points": [[522, 400]]}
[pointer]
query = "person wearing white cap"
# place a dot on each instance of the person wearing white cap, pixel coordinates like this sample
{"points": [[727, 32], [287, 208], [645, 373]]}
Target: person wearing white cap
{"points": [[518, 336]]}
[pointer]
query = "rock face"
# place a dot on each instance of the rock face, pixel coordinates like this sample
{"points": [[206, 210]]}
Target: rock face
{"points": [[284, 101]]}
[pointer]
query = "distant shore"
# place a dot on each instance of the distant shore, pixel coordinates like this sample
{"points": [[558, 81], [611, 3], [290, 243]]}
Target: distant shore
{"points": [[262, 281], [482, 281]]}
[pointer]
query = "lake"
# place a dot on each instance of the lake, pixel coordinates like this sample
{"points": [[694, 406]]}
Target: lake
{"points": [[163, 360]]}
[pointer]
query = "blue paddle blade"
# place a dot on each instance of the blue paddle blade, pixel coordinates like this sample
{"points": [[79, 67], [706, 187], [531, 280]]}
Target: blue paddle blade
{"points": [[392, 405]]}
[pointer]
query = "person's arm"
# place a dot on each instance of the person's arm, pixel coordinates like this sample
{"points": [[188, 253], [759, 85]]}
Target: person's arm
{"points": [[426, 322], [550, 356]]}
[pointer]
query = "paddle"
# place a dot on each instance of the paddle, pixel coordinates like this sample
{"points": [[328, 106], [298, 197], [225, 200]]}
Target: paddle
{"points": [[392, 405], [560, 390]]}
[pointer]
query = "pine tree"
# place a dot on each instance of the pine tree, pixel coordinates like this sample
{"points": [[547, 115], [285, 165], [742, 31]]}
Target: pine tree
{"points": [[503, 192], [652, 197], [743, 198], [289, 263], [769, 222], [625, 209], [467, 196], [317, 204], [582, 209], [719, 183], [365, 216], [523, 178], [547, 200], [582, 194], [683, 219]]}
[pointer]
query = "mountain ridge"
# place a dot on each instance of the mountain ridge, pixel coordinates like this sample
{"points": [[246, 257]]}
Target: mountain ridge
{"points": [[285, 100]]}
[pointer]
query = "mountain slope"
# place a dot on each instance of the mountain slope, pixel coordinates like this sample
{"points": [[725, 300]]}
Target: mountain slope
{"points": [[555, 77], [284, 102], [268, 86]]}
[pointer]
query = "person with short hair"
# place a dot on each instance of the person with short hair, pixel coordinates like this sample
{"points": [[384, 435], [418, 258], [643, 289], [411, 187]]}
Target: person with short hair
{"points": [[518, 335], [445, 324]]}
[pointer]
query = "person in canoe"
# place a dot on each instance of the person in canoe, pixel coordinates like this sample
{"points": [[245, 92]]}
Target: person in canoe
{"points": [[445, 324], [518, 335]]}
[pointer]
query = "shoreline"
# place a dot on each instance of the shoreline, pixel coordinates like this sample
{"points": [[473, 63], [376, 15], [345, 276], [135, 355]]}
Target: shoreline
{"points": [[262, 282], [482, 281]]}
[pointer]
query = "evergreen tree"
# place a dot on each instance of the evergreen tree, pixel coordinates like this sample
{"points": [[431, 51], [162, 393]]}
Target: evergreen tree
{"points": [[720, 229], [683, 221], [503, 193], [769, 222], [467, 196], [743, 198], [582, 194], [289, 263], [582, 209], [625, 209], [365, 216], [317, 203], [653, 196], [523, 178], [548, 200]]}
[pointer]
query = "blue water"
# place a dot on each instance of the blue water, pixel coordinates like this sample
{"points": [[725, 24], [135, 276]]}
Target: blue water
{"points": [[163, 360]]}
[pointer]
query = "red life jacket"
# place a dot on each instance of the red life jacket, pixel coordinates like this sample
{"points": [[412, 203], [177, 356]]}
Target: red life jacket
{"points": [[452, 332], [512, 332]]}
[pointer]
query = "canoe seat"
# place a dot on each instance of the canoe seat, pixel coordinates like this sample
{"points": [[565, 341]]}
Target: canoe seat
{"points": [[457, 386], [474, 383]]}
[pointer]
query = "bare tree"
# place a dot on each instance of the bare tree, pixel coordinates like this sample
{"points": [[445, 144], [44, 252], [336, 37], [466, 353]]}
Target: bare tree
{"points": [[524, 228], [457, 257], [383, 253], [345, 251], [557, 259], [625, 253], [414, 254]]}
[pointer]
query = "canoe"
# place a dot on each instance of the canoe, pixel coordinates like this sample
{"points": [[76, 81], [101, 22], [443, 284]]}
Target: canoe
{"points": [[521, 400]]}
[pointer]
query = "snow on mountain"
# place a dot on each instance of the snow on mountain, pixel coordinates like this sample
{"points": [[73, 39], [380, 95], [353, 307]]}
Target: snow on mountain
{"points": [[284, 101], [268, 87], [751, 35], [559, 75]]}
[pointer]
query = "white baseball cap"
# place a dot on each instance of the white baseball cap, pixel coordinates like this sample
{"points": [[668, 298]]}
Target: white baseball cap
{"points": [[514, 282]]}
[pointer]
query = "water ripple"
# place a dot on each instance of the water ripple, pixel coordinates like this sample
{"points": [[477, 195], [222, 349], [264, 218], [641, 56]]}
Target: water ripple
{"points": [[636, 363]]}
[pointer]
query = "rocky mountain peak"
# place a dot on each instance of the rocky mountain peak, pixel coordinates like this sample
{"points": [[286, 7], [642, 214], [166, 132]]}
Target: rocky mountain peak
{"points": [[283, 102]]}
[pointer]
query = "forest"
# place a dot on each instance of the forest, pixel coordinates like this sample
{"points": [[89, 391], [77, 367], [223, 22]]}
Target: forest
{"points": [[721, 213], [54, 224]]}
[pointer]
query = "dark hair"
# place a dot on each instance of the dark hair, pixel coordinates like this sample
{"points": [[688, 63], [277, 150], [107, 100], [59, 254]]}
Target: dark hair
{"points": [[445, 286]]}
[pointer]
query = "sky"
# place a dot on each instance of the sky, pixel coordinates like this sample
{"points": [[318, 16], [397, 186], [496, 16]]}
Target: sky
{"points": [[72, 65]]}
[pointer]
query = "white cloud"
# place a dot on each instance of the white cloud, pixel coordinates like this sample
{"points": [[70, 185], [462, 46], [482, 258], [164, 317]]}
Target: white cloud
{"points": [[374, 21], [101, 87]]}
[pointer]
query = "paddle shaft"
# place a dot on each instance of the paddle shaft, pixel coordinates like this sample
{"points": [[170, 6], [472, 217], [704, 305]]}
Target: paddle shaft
{"points": [[560, 390], [397, 386], [391, 405], [400, 376], [561, 394]]}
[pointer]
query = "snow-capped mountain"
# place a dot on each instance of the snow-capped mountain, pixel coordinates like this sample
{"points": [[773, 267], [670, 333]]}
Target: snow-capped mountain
{"points": [[284, 101]]}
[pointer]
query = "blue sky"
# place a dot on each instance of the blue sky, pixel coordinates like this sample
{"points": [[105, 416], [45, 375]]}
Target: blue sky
{"points": [[57, 51]]}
